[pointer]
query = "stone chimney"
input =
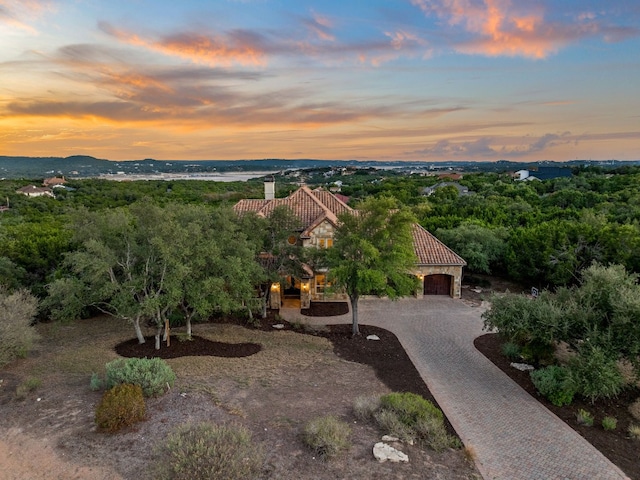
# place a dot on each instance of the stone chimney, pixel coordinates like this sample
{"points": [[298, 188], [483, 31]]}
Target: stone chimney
{"points": [[269, 188]]}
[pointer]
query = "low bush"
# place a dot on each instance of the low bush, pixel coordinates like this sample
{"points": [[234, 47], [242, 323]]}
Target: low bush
{"points": [[410, 407], [584, 418], [95, 383], [595, 375], [204, 451], [634, 409], [411, 417], [154, 375], [538, 352], [364, 407], [609, 423], [17, 335], [327, 436], [121, 406], [511, 351], [634, 431], [554, 383]]}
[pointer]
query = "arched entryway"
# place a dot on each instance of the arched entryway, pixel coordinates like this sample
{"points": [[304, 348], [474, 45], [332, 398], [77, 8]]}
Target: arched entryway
{"points": [[437, 284]]}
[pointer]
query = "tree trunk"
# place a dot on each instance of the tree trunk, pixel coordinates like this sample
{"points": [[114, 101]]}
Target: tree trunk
{"points": [[354, 314], [136, 326], [265, 302], [189, 327], [159, 328]]}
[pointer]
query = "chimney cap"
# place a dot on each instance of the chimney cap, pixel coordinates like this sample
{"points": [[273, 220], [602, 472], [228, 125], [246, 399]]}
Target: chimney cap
{"points": [[269, 178]]}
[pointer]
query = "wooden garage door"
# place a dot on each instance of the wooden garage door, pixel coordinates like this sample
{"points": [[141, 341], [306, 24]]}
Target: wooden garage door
{"points": [[438, 284]]}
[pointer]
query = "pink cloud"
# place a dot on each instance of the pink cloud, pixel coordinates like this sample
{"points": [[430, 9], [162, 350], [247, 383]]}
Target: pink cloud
{"points": [[506, 28], [237, 47]]}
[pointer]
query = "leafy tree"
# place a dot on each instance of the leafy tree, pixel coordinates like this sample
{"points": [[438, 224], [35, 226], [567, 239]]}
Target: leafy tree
{"points": [[373, 253], [214, 260], [482, 247], [142, 262]]}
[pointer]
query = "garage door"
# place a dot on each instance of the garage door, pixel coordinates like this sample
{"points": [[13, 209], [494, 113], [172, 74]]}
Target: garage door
{"points": [[438, 284]]}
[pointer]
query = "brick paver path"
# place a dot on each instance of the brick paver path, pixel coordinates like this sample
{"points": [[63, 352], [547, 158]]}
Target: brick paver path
{"points": [[513, 436]]}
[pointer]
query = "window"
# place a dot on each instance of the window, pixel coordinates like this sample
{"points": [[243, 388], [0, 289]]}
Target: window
{"points": [[325, 242], [292, 240], [321, 283]]}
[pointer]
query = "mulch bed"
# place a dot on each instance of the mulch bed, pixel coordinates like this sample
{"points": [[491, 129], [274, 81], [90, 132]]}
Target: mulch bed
{"points": [[325, 309], [614, 444], [197, 346]]}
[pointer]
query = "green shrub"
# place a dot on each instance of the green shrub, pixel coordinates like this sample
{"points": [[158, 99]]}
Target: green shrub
{"points": [[595, 375], [410, 407], [154, 375], [121, 406], [95, 383], [511, 351], [584, 418], [17, 335], [537, 351], [390, 423], [204, 451], [555, 384], [609, 423], [412, 418], [327, 436]]}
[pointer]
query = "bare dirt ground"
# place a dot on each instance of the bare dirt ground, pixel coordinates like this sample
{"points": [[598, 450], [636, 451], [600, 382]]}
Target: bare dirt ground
{"points": [[49, 432]]}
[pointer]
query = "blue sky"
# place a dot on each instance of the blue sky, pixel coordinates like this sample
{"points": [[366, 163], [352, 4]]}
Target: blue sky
{"points": [[389, 80]]}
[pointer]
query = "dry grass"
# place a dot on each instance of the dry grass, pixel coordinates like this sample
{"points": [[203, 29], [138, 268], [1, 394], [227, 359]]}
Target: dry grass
{"points": [[634, 409], [279, 349]]}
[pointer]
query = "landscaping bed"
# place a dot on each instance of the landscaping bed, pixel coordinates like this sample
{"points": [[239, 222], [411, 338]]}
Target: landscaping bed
{"points": [[616, 444]]}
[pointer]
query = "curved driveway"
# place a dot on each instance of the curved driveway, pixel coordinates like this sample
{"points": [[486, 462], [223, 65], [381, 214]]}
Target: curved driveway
{"points": [[513, 436]]}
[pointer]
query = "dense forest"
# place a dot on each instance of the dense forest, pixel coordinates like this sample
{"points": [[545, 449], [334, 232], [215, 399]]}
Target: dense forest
{"points": [[541, 233]]}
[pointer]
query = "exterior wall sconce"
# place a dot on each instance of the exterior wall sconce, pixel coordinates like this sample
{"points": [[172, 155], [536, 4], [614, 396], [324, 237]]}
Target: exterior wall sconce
{"points": [[275, 287]]}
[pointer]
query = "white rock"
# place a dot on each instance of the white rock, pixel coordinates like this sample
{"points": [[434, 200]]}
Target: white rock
{"points": [[523, 367], [384, 452], [373, 337], [389, 438], [279, 326], [476, 290]]}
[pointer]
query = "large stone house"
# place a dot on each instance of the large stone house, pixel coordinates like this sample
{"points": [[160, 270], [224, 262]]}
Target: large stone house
{"points": [[439, 268]]}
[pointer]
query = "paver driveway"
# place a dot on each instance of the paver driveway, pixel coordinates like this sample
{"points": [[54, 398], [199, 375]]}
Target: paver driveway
{"points": [[513, 436]]}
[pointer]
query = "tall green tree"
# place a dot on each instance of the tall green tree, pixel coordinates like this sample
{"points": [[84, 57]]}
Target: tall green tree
{"points": [[144, 261], [373, 253]]}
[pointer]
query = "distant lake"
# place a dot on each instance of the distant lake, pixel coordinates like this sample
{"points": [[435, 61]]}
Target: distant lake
{"points": [[210, 176]]}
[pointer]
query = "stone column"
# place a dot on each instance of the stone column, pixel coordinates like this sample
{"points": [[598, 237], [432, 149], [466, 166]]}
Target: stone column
{"points": [[275, 301]]}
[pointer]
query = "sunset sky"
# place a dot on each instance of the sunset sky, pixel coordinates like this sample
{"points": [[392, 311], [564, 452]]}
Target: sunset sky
{"points": [[365, 79]]}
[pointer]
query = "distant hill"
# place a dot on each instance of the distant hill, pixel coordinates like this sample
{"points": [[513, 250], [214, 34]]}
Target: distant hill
{"points": [[86, 166]]}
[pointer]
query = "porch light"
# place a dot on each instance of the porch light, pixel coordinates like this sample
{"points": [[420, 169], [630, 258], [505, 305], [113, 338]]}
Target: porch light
{"points": [[275, 287], [305, 287]]}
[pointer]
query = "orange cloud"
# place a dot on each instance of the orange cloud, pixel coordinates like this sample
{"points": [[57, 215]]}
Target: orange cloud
{"points": [[238, 47], [500, 27]]}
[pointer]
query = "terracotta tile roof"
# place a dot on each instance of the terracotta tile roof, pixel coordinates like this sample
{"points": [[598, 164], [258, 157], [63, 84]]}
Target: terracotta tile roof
{"points": [[431, 251], [313, 207], [308, 205]]}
